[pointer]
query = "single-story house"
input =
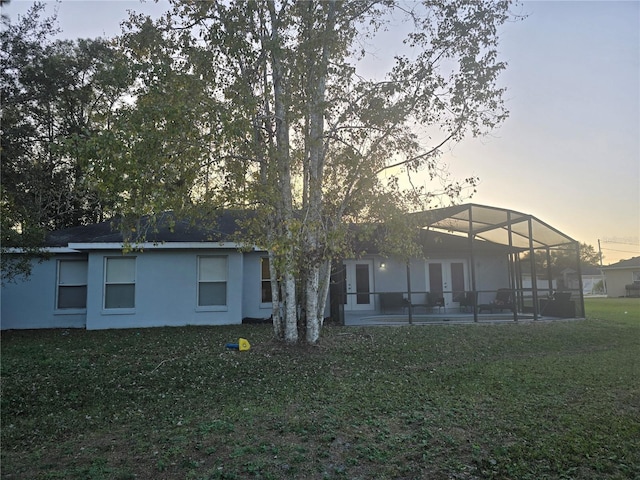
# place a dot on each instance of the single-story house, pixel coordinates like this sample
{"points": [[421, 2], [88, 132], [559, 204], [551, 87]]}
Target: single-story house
{"points": [[183, 275], [623, 278], [592, 279]]}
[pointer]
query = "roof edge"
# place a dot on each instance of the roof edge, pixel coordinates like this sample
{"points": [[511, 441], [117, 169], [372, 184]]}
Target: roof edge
{"points": [[157, 246]]}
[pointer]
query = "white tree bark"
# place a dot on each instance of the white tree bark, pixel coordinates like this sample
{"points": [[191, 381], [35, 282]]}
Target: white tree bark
{"points": [[284, 208], [291, 314], [312, 290], [276, 314], [315, 146], [323, 289]]}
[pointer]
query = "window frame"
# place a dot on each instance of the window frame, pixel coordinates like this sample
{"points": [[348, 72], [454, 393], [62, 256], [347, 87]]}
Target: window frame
{"points": [[106, 283], [60, 285], [267, 280], [223, 280]]}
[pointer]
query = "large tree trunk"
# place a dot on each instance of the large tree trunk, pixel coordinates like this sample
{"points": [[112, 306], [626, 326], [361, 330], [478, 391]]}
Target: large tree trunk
{"points": [[323, 289], [311, 290], [314, 242], [317, 290], [276, 314], [290, 310], [284, 207]]}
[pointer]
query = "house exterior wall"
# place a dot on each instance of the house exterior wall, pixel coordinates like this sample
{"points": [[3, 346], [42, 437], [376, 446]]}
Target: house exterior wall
{"points": [[390, 278], [252, 305], [166, 285], [31, 303], [617, 279], [491, 274]]}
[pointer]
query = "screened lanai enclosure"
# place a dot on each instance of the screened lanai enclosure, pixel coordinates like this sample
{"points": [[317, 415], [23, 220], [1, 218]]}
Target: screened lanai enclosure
{"points": [[479, 262]]}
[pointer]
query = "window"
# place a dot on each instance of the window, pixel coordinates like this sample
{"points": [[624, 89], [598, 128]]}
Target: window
{"points": [[265, 279], [72, 284], [636, 276], [212, 281], [120, 282]]}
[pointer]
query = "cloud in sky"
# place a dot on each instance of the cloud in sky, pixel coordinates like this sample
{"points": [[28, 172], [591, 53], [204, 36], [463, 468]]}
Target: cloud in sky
{"points": [[569, 152]]}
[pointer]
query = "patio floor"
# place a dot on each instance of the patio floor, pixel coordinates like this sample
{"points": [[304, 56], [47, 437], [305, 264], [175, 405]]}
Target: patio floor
{"points": [[375, 318]]}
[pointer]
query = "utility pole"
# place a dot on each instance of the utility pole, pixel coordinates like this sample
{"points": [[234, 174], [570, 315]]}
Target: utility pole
{"points": [[604, 283], [600, 252]]}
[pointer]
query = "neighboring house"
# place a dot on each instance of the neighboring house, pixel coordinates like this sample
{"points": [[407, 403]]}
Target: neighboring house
{"points": [[591, 276], [593, 281], [190, 276], [623, 278], [542, 282]]}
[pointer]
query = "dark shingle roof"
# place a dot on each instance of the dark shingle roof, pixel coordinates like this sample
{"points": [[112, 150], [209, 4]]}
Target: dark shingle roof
{"points": [[227, 223], [222, 229], [225, 227]]}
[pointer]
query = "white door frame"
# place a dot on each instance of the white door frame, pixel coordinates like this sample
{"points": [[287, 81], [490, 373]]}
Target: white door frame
{"points": [[355, 299], [446, 278]]}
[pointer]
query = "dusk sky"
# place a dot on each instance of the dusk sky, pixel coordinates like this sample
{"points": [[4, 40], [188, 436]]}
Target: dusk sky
{"points": [[569, 152]]}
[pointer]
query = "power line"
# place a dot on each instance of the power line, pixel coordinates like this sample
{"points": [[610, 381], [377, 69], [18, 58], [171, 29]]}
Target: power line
{"points": [[635, 244], [623, 251]]}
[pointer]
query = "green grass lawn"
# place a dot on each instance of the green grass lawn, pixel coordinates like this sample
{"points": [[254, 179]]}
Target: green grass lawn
{"points": [[517, 401]]}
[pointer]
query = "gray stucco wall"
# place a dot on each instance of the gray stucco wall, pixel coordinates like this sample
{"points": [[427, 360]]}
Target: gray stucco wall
{"points": [[31, 303], [166, 285], [617, 279], [166, 291], [393, 277], [251, 286], [492, 273]]}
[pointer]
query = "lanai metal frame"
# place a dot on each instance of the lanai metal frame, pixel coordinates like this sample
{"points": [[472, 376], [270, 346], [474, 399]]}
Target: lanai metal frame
{"points": [[518, 232]]}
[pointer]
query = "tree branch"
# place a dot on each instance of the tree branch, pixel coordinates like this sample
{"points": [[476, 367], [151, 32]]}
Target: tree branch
{"points": [[422, 155]]}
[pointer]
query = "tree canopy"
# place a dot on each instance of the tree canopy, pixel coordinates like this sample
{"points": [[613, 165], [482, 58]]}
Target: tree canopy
{"points": [[309, 136], [56, 94], [561, 258]]}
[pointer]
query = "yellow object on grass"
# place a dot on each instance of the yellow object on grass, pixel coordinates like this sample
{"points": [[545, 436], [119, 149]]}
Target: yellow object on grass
{"points": [[243, 344]]}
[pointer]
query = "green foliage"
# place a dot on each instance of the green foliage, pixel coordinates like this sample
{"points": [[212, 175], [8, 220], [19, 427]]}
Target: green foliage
{"points": [[55, 96], [153, 155], [301, 130], [561, 258], [589, 255], [528, 400], [16, 266]]}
